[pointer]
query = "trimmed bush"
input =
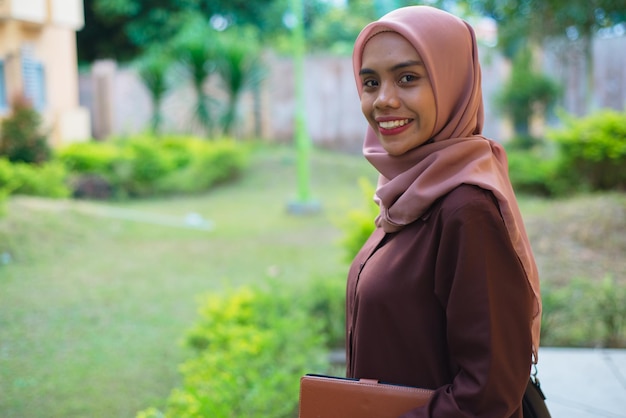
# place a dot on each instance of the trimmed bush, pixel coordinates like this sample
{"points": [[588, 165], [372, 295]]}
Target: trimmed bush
{"points": [[251, 346], [145, 166], [90, 157], [7, 183], [532, 173], [46, 180], [201, 164], [593, 151]]}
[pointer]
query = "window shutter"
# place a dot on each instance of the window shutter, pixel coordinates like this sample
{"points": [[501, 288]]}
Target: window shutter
{"points": [[4, 104], [34, 79]]}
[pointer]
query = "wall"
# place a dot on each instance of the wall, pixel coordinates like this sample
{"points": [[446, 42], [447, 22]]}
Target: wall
{"points": [[120, 104], [565, 61]]}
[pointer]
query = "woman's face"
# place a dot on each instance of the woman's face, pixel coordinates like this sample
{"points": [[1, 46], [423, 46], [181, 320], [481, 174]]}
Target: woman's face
{"points": [[397, 98]]}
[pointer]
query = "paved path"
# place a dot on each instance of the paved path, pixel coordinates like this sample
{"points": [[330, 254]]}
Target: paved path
{"points": [[583, 383]]}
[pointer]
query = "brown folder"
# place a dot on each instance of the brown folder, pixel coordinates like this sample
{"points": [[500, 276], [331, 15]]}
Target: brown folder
{"points": [[337, 397]]}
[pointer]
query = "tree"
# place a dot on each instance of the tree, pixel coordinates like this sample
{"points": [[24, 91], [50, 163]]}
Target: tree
{"points": [[123, 29], [21, 134], [526, 93], [532, 21], [196, 47], [102, 38], [239, 67], [153, 67], [266, 15]]}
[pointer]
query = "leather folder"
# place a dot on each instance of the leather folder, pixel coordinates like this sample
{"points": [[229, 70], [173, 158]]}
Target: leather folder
{"points": [[338, 397]]}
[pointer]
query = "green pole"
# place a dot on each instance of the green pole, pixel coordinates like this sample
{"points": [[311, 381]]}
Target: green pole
{"points": [[303, 203]]}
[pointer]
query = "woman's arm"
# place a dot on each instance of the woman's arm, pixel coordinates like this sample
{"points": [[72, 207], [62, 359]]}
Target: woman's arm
{"points": [[488, 303]]}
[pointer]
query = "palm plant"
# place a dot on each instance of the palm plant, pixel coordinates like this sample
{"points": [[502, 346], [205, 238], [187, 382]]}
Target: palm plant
{"points": [[240, 68], [197, 49], [153, 67]]}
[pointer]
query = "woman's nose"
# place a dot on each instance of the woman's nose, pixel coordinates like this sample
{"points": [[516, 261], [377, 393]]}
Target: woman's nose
{"points": [[387, 96]]}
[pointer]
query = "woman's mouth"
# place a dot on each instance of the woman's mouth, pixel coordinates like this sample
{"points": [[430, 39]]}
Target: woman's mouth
{"points": [[393, 127]]}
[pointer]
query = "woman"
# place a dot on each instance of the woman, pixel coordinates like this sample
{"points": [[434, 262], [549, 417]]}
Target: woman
{"points": [[444, 294]]}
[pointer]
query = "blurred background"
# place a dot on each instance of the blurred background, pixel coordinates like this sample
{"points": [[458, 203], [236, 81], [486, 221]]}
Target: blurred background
{"points": [[182, 190]]}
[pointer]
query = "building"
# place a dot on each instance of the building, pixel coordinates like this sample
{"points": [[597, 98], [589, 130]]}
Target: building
{"points": [[38, 60]]}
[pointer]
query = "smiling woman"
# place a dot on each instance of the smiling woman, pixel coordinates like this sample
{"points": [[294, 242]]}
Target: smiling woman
{"points": [[444, 294]]}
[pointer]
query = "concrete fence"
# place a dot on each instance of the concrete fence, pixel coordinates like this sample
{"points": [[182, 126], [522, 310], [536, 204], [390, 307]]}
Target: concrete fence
{"points": [[120, 104]]}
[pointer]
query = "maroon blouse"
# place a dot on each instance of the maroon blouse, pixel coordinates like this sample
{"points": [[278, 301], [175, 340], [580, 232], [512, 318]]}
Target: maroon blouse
{"points": [[444, 304]]}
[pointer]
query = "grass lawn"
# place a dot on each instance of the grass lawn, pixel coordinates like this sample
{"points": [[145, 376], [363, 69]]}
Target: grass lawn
{"points": [[93, 308]]}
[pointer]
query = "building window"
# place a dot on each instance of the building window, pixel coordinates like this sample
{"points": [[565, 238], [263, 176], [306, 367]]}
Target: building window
{"points": [[34, 80], [4, 104]]}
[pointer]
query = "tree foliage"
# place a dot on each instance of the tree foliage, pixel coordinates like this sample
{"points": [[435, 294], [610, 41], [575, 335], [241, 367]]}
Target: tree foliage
{"points": [[526, 93], [219, 65], [240, 68], [21, 135], [521, 21], [123, 29], [153, 68], [196, 48], [532, 21]]}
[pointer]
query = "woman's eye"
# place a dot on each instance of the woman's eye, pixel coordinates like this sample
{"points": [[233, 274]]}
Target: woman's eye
{"points": [[370, 83], [408, 78]]}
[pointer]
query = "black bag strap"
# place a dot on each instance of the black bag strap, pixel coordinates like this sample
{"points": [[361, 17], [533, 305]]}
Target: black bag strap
{"points": [[534, 401]]}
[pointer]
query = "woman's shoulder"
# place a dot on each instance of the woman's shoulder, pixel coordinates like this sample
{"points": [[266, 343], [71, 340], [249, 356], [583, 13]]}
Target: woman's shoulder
{"points": [[467, 197]]}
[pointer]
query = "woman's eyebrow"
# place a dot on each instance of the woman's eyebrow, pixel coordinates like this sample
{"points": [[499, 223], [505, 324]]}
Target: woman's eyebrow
{"points": [[395, 67], [406, 64]]}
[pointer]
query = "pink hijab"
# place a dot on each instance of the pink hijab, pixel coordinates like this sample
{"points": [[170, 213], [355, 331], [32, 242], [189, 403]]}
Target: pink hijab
{"points": [[457, 152]]}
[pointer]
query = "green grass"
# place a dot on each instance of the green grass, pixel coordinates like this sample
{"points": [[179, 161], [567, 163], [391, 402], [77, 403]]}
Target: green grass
{"points": [[93, 308]]}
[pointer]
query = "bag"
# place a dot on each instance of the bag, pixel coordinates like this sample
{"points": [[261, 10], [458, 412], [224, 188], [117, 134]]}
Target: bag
{"points": [[338, 397], [534, 401]]}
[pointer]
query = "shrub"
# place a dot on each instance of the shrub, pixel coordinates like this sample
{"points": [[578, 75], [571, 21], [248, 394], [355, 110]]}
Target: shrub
{"points": [[7, 183], [144, 166], [3, 201], [326, 302], [251, 346], [46, 180], [21, 137], [531, 172], [90, 157], [593, 150], [584, 313], [202, 165], [359, 223]]}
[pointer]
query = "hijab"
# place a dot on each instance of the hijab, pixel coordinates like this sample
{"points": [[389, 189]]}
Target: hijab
{"points": [[457, 153]]}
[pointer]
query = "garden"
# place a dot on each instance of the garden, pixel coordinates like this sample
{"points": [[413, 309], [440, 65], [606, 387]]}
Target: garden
{"points": [[104, 314], [161, 274]]}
